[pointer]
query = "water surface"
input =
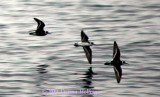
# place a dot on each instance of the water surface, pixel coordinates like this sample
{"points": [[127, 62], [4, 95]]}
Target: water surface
{"points": [[30, 64]]}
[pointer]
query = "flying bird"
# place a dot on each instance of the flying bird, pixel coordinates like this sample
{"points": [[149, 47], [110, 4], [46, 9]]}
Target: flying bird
{"points": [[116, 62], [85, 43], [40, 29]]}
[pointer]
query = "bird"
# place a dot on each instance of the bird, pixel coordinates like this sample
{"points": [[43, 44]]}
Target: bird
{"points": [[40, 29], [116, 62], [85, 43]]}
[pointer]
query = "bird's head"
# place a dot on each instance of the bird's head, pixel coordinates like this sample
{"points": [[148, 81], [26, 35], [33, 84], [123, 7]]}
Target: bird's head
{"points": [[92, 43], [76, 44], [47, 32]]}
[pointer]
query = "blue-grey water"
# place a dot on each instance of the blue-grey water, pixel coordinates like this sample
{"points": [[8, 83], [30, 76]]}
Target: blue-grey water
{"points": [[30, 65]]}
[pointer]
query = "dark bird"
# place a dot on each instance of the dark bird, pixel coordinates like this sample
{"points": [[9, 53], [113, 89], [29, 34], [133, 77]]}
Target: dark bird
{"points": [[40, 29], [116, 62], [85, 43]]}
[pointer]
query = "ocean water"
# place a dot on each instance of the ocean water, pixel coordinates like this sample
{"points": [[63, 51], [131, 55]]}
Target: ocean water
{"points": [[50, 66]]}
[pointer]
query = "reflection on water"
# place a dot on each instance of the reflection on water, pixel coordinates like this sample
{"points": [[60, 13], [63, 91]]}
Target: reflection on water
{"points": [[42, 69], [88, 79], [88, 82]]}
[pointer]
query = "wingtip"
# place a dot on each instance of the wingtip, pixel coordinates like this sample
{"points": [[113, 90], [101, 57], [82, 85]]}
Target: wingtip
{"points": [[35, 18], [115, 42], [90, 61], [82, 31], [115, 45], [118, 81]]}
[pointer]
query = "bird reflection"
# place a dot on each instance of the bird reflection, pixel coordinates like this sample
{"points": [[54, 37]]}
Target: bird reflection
{"points": [[41, 77], [42, 69], [88, 79]]}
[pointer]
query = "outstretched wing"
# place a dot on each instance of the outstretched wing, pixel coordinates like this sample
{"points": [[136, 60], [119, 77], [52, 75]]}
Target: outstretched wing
{"points": [[118, 73], [40, 24], [84, 37], [116, 52], [88, 53]]}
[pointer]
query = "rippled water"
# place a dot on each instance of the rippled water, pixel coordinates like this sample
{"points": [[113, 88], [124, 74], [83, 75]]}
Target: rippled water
{"points": [[31, 64]]}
